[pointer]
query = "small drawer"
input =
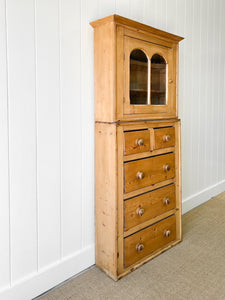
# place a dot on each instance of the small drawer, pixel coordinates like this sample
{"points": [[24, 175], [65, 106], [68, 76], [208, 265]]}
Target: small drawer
{"points": [[147, 206], [148, 240], [136, 141], [164, 137], [143, 172]]}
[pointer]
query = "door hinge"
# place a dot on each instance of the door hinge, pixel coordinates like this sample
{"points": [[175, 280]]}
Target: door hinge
{"points": [[123, 99]]}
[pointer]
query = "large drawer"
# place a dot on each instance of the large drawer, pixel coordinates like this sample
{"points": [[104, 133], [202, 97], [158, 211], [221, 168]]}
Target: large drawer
{"points": [[148, 240], [147, 171], [164, 137], [149, 205], [136, 141]]}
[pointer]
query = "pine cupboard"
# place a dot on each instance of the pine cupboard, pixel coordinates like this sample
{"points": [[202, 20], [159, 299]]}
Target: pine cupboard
{"points": [[137, 144]]}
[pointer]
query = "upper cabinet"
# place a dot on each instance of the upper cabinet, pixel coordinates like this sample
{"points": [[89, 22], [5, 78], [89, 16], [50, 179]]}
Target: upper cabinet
{"points": [[136, 70]]}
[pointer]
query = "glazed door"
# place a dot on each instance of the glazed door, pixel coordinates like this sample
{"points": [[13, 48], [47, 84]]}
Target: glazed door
{"points": [[150, 82]]}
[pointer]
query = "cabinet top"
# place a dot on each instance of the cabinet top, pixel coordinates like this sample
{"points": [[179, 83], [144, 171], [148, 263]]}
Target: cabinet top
{"points": [[137, 25]]}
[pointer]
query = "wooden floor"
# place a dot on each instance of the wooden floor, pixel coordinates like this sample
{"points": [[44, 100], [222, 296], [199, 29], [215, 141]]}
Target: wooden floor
{"points": [[194, 269]]}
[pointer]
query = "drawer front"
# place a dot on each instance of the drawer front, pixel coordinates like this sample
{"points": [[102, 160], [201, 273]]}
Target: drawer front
{"points": [[147, 206], [146, 241], [144, 172], [164, 137], [136, 142]]}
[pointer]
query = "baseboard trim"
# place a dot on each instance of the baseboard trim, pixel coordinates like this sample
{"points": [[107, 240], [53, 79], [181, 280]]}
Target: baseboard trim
{"points": [[202, 197], [38, 283]]}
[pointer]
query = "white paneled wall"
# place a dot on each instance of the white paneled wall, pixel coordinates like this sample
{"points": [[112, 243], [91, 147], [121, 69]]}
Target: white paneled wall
{"points": [[5, 271], [47, 126]]}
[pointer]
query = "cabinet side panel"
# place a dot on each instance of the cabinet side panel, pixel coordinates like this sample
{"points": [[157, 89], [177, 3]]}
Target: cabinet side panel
{"points": [[178, 180], [105, 73], [106, 198], [176, 68]]}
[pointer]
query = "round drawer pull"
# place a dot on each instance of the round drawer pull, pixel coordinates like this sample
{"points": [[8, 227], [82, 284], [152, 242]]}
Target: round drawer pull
{"points": [[166, 167], [166, 201], [139, 247], [139, 142], [167, 233], [140, 211], [140, 175], [167, 138]]}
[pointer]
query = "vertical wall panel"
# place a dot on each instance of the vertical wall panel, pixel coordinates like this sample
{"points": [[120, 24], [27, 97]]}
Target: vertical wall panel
{"points": [[210, 96], [136, 10], [48, 131], [218, 78], [207, 62], [213, 96], [4, 183], [89, 12], [196, 67], [219, 75], [161, 9], [105, 8], [22, 136], [215, 115], [189, 97], [222, 61], [171, 16], [202, 60], [181, 18], [149, 13], [71, 136], [122, 8], [187, 101]]}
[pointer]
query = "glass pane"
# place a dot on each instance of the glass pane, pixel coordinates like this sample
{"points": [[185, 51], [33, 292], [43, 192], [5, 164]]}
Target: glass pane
{"points": [[158, 80], [138, 77]]}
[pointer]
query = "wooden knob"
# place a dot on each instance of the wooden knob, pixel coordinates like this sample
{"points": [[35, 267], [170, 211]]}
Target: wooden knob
{"points": [[140, 175], [166, 167], [167, 233], [139, 247], [166, 201], [139, 142], [166, 138], [140, 211], [171, 81]]}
